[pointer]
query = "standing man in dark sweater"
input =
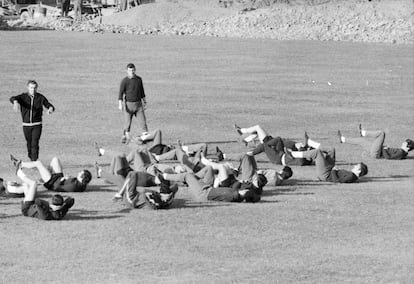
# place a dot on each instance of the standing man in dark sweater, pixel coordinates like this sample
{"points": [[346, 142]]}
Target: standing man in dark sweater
{"points": [[375, 146], [325, 164], [31, 106], [132, 101]]}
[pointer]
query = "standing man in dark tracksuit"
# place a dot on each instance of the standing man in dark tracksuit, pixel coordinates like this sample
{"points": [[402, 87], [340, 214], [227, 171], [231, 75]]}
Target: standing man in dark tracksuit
{"points": [[132, 101], [31, 106]]}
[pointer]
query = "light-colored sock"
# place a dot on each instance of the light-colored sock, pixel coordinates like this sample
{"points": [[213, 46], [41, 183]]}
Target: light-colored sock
{"points": [[185, 149], [250, 138], [21, 174], [313, 144], [296, 154], [144, 136], [205, 161]]}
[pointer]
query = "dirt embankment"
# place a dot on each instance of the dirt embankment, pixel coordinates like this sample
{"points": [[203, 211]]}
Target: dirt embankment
{"points": [[390, 21]]}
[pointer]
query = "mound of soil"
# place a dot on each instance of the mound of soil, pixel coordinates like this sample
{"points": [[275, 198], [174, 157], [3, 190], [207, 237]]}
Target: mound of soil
{"points": [[163, 13], [328, 20]]}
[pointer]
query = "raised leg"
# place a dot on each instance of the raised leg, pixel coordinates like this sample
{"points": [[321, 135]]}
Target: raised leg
{"points": [[43, 171]]}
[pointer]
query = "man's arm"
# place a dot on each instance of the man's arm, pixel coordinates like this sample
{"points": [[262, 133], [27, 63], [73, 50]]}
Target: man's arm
{"points": [[15, 100], [143, 98], [121, 94], [48, 105]]}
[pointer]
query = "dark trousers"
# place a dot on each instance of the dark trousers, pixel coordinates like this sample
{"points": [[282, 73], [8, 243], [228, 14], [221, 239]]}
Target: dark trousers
{"points": [[65, 7], [273, 148], [32, 135]]}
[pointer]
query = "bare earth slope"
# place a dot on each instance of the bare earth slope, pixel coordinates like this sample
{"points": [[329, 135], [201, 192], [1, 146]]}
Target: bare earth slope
{"points": [[163, 13], [356, 20], [385, 21]]}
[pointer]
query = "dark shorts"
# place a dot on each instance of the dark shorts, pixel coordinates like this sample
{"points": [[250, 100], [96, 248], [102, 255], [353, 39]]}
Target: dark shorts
{"points": [[228, 182], [54, 180], [132, 107], [29, 208], [36, 209]]}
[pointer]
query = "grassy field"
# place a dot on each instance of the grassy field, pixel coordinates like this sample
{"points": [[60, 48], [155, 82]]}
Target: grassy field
{"points": [[303, 232]]}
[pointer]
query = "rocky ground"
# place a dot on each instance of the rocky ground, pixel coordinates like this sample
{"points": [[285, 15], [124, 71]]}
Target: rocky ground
{"points": [[388, 21]]}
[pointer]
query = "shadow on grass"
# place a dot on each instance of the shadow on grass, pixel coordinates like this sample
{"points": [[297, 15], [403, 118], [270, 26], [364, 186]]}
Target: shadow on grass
{"points": [[183, 203], [268, 201], [301, 182], [4, 216], [391, 178], [104, 188], [76, 215], [285, 191], [7, 203]]}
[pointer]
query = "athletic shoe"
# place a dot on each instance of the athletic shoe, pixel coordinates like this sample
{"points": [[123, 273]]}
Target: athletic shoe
{"points": [[16, 163], [219, 154], [340, 136], [144, 135], [117, 196], [238, 129], [124, 139], [98, 149], [158, 174]]}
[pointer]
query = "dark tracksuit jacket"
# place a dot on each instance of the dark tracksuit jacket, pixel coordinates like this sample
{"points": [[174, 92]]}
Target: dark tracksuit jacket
{"points": [[32, 110], [32, 107]]}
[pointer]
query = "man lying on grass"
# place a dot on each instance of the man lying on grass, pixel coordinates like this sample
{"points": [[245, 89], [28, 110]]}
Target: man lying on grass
{"points": [[273, 147], [247, 172], [37, 207], [138, 197], [201, 187], [54, 179], [375, 146], [325, 164]]}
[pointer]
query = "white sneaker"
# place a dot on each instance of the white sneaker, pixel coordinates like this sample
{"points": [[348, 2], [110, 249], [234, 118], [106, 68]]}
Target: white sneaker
{"points": [[144, 136], [117, 196]]}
